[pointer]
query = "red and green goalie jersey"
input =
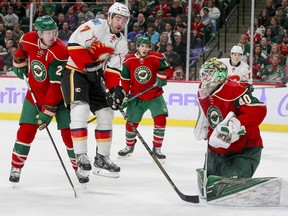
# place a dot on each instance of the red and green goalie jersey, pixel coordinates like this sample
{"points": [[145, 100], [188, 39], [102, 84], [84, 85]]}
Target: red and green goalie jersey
{"points": [[45, 68], [140, 73], [248, 110]]}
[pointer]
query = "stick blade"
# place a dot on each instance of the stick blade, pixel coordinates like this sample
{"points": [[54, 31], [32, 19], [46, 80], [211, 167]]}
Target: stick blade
{"points": [[191, 199]]}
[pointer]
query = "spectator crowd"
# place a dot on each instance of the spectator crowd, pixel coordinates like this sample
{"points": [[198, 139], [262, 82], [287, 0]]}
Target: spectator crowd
{"points": [[270, 42], [164, 22]]}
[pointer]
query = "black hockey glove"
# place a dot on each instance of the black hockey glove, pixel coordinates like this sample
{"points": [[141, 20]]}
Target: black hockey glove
{"points": [[250, 87], [94, 72], [116, 97]]}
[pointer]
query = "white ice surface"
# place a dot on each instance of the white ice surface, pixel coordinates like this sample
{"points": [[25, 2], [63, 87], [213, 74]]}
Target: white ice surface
{"points": [[141, 190]]}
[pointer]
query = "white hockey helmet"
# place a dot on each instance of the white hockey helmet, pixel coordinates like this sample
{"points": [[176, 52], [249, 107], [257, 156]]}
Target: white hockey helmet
{"points": [[118, 8], [236, 49]]}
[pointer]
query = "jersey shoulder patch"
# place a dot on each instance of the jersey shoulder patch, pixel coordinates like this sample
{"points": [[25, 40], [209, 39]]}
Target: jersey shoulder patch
{"points": [[230, 91]]}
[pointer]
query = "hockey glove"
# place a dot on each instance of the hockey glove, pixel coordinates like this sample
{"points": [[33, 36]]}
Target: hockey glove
{"points": [[125, 101], [20, 68], [226, 133], [94, 72], [161, 79], [250, 87], [45, 116], [116, 97]]}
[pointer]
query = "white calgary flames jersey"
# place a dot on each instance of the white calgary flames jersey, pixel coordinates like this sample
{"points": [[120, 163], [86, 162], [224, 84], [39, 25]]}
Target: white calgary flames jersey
{"points": [[239, 73], [99, 30]]}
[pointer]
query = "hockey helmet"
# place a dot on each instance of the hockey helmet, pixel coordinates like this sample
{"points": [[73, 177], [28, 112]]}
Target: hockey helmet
{"points": [[118, 8], [142, 40], [212, 73], [236, 49], [45, 23]]}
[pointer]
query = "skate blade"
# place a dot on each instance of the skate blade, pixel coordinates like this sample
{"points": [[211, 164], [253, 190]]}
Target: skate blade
{"points": [[105, 173], [126, 156], [14, 185], [84, 186]]}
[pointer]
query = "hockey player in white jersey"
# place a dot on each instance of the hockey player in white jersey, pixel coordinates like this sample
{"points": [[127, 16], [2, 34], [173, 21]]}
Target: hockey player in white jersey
{"points": [[96, 50], [238, 70]]}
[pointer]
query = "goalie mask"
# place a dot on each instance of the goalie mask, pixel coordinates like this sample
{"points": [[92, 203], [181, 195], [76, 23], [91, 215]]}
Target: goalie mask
{"points": [[212, 73], [118, 17], [47, 30]]}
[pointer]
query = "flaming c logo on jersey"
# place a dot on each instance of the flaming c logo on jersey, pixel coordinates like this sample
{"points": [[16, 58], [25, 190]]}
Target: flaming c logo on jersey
{"points": [[143, 74], [214, 116], [38, 70], [99, 50]]}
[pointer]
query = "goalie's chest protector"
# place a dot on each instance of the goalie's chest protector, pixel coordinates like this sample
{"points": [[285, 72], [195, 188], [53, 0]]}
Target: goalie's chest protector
{"points": [[221, 102]]}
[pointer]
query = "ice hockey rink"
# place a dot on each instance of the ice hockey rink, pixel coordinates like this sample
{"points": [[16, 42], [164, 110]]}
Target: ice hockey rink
{"points": [[141, 190]]}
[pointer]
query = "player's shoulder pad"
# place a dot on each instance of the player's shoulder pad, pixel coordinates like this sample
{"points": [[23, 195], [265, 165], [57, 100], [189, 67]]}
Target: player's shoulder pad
{"points": [[156, 54], [230, 91], [59, 50], [129, 57], [30, 37]]}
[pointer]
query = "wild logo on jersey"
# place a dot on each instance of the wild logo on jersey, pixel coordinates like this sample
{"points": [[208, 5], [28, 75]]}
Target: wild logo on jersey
{"points": [[143, 74], [38, 70], [214, 116]]}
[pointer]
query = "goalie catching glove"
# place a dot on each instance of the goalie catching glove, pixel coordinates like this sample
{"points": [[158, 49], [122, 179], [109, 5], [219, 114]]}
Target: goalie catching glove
{"points": [[20, 68], [116, 97], [161, 79], [94, 71], [226, 132], [44, 118]]}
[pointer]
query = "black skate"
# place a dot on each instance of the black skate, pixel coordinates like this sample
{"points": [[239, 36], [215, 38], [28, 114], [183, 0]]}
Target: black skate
{"points": [[15, 175], [157, 152], [126, 152], [83, 176], [83, 162], [103, 166]]}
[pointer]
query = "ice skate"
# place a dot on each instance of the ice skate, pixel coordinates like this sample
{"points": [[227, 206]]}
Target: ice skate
{"points": [[126, 152], [83, 176], [103, 166], [83, 162], [15, 175], [157, 152]]}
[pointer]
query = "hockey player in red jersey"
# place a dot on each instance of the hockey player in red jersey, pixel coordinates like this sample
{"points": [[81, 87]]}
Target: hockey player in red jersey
{"points": [[45, 56], [140, 71], [96, 50], [229, 118]]}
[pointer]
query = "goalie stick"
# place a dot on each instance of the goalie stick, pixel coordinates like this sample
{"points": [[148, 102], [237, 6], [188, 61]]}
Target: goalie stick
{"points": [[132, 98], [270, 86], [50, 136], [187, 198]]}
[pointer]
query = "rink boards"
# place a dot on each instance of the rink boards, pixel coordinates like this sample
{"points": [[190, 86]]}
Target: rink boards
{"points": [[180, 97]]}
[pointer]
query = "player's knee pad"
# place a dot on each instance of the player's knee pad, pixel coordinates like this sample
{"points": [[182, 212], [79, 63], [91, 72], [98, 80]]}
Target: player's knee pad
{"points": [[79, 113], [66, 137], [128, 127], [26, 133], [104, 118], [160, 121]]}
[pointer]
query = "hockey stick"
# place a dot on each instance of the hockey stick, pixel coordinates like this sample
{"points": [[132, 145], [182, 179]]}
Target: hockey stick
{"points": [[270, 86], [187, 198], [132, 98], [49, 134]]}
